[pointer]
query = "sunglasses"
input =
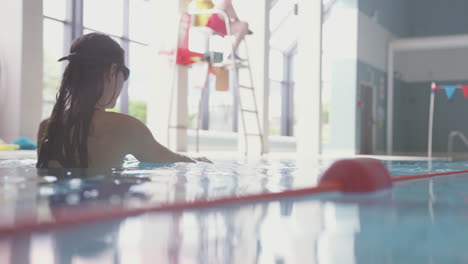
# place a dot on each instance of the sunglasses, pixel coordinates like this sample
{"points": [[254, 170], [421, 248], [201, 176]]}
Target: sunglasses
{"points": [[122, 68], [125, 71]]}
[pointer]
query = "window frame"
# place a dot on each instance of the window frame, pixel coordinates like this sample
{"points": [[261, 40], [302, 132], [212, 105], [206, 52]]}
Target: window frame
{"points": [[74, 28]]}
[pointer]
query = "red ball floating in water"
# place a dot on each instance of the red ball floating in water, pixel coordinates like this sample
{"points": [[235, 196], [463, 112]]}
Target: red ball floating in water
{"points": [[358, 175]]}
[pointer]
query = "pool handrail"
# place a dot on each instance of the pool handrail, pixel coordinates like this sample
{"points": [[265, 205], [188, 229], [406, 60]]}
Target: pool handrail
{"points": [[451, 138]]}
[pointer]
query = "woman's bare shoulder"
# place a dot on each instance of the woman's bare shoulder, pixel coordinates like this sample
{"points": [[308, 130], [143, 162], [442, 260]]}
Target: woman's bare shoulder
{"points": [[118, 120], [124, 130]]}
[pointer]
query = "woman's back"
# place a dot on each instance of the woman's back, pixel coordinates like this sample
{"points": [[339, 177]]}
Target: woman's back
{"points": [[106, 146], [112, 136]]}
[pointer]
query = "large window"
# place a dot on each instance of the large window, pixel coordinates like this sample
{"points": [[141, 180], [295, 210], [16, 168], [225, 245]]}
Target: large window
{"points": [[123, 20], [139, 12], [276, 89], [137, 85], [55, 22], [127, 22], [142, 69], [283, 43]]}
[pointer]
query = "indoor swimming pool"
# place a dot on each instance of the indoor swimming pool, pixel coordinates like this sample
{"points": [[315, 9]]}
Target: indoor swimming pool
{"points": [[183, 213]]}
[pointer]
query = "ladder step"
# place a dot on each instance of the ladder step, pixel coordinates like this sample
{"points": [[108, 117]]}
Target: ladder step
{"points": [[253, 135], [230, 64], [249, 111], [243, 65], [246, 87]]}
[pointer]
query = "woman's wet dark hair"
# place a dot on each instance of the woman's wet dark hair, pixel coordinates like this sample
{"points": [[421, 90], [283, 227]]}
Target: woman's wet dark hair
{"points": [[91, 57]]}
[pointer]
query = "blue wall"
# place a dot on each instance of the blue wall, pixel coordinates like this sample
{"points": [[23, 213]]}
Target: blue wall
{"points": [[430, 18], [412, 115], [437, 17], [419, 18], [403, 18], [391, 14]]}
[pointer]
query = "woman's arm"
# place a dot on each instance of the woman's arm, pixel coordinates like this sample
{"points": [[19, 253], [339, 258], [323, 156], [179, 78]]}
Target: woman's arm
{"points": [[41, 134], [141, 144]]}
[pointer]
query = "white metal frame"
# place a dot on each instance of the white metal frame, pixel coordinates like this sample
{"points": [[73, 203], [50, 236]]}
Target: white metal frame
{"points": [[413, 44]]}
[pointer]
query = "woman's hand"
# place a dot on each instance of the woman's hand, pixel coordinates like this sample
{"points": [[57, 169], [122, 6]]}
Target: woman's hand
{"points": [[202, 159]]}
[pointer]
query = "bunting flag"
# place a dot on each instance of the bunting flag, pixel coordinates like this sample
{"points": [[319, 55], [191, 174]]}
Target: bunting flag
{"points": [[450, 90], [465, 90]]}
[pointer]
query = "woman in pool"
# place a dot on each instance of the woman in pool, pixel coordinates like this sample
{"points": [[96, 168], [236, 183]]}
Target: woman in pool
{"points": [[80, 133]]}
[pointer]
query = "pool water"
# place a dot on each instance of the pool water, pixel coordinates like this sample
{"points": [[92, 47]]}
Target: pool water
{"points": [[407, 167], [423, 221], [139, 184]]}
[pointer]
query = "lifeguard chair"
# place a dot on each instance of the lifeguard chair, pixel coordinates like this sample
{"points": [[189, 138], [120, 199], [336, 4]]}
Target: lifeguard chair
{"points": [[194, 45]]}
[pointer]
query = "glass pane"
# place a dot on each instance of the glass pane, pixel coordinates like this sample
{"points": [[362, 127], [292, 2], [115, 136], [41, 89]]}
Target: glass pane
{"points": [[285, 37], [55, 9], [221, 109], [276, 65], [283, 25], [279, 12], [294, 73], [292, 108], [104, 16], [196, 81], [87, 31], [141, 71], [193, 101], [275, 108], [220, 102], [53, 50], [139, 21]]}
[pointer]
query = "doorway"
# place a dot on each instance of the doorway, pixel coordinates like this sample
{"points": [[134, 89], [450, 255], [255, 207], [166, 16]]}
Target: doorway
{"points": [[367, 109]]}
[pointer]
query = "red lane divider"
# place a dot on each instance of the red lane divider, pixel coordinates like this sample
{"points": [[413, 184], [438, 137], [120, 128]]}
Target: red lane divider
{"points": [[359, 175], [429, 175], [87, 216]]}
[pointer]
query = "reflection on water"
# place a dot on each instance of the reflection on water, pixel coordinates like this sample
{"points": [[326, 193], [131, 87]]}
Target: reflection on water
{"points": [[416, 222], [47, 193], [407, 167], [386, 227]]}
